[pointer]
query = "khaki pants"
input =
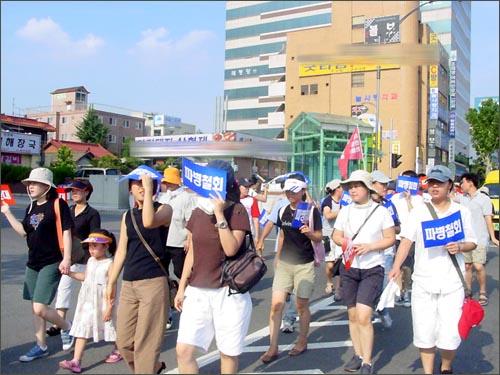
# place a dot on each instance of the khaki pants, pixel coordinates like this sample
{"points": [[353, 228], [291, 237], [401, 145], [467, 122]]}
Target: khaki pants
{"points": [[141, 318]]}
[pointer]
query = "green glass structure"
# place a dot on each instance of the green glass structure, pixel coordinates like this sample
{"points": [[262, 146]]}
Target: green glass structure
{"points": [[318, 140]]}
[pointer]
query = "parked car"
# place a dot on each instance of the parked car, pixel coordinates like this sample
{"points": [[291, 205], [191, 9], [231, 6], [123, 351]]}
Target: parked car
{"points": [[86, 172]]}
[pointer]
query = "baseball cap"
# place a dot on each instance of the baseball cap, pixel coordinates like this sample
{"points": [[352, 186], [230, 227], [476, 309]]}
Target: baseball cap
{"points": [[333, 184], [81, 185], [359, 176], [472, 315], [242, 181], [440, 173], [379, 176], [171, 175]]}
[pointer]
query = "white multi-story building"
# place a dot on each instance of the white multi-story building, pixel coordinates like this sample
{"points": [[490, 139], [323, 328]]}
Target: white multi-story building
{"points": [[255, 60]]}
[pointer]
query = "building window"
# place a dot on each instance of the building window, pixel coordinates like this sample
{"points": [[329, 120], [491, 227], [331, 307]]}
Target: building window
{"points": [[313, 89], [63, 120], [80, 97], [358, 22], [138, 125], [304, 90], [49, 120], [112, 121], [64, 137], [101, 119], [124, 140], [126, 123], [358, 80], [156, 132], [111, 138]]}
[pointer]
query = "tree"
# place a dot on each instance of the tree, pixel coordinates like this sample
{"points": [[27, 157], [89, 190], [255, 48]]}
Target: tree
{"points": [[484, 131], [91, 130], [64, 158]]}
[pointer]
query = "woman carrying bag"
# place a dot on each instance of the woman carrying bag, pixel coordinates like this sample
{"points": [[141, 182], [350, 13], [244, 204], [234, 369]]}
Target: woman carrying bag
{"points": [[144, 296]]}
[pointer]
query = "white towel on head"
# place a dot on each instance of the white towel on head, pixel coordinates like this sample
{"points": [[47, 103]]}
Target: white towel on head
{"points": [[391, 290]]}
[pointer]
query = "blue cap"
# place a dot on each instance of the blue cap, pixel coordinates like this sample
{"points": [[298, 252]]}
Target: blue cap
{"points": [[139, 171], [440, 173]]}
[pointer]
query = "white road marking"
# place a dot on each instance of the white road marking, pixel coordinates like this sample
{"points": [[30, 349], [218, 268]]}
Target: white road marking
{"points": [[323, 304]]}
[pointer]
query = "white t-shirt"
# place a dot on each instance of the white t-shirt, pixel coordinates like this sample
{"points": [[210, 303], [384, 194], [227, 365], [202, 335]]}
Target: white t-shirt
{"points": [[433, 269], [479, 206], [350, 219], [399, 202]]}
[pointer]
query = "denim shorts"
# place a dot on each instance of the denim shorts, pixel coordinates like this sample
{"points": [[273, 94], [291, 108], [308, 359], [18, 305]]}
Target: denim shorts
{"points": [[41, 286], [362, 286]]}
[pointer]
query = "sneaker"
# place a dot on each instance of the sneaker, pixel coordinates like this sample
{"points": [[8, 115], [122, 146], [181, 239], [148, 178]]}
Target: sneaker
{"points": [[354, 364], [73, 366], [376, 319], [169, 323], [366, 369], [386, 319], [66, 338], [287, 327], [35, 353], [398, 301], [407, 299]]}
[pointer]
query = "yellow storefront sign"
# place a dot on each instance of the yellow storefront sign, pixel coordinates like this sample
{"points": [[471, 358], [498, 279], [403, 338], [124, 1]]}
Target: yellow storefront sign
{"points": [[309, 70]]}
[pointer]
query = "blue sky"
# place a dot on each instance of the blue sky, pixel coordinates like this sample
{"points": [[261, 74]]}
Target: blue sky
{"points": [[162, 57]]}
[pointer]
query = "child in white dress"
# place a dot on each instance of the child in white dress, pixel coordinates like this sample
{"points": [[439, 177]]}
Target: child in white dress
{"points": [[94, 316]]}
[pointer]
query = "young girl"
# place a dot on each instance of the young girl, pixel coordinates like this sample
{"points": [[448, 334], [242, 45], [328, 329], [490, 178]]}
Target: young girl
{"points": [[94, 317]]}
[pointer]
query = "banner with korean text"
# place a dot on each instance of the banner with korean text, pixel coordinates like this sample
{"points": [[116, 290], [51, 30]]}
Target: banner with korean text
{"points": [[205, 181], [442, 231]]}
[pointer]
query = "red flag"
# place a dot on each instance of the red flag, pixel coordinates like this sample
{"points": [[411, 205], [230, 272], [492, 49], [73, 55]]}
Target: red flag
{"points": [[352, 151]]}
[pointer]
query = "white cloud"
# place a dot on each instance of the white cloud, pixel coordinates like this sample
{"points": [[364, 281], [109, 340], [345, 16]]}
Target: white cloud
{"points": [[46, 33], [157, 46]]}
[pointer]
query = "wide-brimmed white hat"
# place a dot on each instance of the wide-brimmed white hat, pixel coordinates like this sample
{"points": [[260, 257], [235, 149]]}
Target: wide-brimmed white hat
{"points": [[359, 176], [42, 175], [333, 184]]}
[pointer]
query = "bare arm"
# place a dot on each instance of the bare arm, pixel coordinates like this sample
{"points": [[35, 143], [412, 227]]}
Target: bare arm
{"points": [[15, 224], [150, 217], [186, 274], [489, 224], [119, 259]]}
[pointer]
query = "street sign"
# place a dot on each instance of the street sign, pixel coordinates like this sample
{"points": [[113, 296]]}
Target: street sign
{"points": [[396, 147]]}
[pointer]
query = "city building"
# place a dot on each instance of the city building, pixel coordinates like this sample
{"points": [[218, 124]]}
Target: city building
{"points": [[451, 20], [255, 56], [70, 105], [83, 153], [158, 125], [429, 112], [23, 139]]}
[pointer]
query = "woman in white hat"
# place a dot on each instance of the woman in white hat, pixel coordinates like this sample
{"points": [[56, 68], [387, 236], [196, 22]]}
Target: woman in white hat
{"points": [[365, 229], [46, 263]]}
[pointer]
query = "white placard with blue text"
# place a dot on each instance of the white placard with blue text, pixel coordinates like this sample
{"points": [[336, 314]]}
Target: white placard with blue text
{"points": [[404, 183], [345, 199], [301, 216], [442, 231], [204, 181]]}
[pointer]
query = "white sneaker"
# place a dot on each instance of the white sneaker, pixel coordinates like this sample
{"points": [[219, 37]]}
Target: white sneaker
{"points": [[169, 324], [287, 327]]}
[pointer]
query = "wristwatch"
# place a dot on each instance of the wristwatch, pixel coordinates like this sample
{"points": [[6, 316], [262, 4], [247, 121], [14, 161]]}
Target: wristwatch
{"points": [[222, 224]]}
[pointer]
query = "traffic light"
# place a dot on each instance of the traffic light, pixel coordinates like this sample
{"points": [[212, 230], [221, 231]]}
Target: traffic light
{"points": [[395, 160]]}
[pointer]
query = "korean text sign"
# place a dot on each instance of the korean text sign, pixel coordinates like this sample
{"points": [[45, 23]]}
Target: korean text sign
{"points": [[205, 181], [301, 215], [404, 183], [442, 231]]}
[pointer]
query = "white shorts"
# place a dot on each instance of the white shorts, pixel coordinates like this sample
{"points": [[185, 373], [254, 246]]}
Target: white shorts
{"points": [[63, 297], [435, 318], [211, 312]]}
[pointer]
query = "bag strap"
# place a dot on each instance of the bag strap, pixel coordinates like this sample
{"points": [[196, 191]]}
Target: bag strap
{"points": [[59, 225], [364, 222], [146, 245], [468, 292]]}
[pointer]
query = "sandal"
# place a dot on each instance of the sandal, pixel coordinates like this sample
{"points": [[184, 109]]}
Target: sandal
{"points": [[53, 331], [73, 366], [483, 299], [114, 357], [329, 288]]}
